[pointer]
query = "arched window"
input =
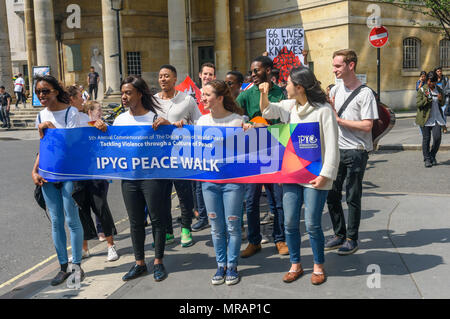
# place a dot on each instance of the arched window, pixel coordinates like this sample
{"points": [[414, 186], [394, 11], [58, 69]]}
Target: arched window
{"points": [[444, 53], [411, 53]]}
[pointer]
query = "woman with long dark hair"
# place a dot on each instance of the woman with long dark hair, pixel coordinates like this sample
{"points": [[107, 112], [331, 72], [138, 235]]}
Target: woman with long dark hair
{"points": [[138, 194], [58, 196], [307, 103], [223, 201]]}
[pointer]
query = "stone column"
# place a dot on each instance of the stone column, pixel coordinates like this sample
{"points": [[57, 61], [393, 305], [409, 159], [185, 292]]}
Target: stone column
{"points": [[46, 51], [30, 39], [222, 41], [5, 52], [237, 22], [110, 47], [178, 43]]}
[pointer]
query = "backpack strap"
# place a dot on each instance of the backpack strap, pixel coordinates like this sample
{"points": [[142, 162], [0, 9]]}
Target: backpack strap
{"points": [[39, 118], [67, 114], [349, 99]]}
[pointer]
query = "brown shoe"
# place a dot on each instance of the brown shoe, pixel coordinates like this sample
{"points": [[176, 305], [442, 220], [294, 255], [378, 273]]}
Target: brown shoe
{"points": [[292, 276], [282, 248], [250, 250], [317, 279]]}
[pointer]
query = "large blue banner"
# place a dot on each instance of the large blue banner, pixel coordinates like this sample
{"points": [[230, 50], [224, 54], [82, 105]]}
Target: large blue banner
{"points": [[277, 154]]}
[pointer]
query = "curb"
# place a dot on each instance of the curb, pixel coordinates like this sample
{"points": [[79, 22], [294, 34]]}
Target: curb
{"points": [[408, 147]]}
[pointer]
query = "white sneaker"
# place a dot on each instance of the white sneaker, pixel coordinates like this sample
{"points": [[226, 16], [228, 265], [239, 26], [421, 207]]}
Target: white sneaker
{"points": [[112, 254], [101, 236], [84, 254], [264, 239]]}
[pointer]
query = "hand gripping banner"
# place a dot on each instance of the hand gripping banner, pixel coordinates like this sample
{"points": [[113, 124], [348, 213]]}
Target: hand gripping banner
{"points": [[284, 153]]}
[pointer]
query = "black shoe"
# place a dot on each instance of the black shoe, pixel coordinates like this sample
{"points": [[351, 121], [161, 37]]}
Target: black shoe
{"points": [[433, 162], [348, 248], [334, 243], [160, 272], [428, 163], [200, 225], [60, 278], [135, 272]]}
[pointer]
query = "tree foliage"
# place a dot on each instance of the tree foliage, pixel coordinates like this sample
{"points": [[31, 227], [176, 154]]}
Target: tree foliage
{"points": [[437, 9]]}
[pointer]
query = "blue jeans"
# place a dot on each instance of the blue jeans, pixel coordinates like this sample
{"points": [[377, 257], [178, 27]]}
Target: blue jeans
{"points": [[252, 197], [224, 206], [293, 198], [199, 202], [61, 206]]}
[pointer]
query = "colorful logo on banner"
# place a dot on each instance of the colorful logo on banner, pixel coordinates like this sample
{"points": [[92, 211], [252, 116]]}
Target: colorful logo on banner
{"points": [[188, 86], [277, 154]]}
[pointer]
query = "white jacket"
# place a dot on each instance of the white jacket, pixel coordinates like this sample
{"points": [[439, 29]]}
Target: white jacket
{"points": [[289, 111]]}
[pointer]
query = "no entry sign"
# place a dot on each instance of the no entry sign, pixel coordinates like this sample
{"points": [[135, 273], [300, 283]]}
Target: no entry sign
{"points": [[378, 36]]}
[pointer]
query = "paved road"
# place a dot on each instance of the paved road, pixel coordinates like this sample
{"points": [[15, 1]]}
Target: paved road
{"points": [[404, 230]]}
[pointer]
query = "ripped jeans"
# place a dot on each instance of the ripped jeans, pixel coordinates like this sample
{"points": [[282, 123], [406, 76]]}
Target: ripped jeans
{"points": [[224, 206]]}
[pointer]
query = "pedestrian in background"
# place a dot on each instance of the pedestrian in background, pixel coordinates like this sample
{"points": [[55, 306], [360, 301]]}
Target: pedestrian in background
{"points": [[422, 80], [92, 79], [444, 84], [430, 118], [19, 90], [5, 105], [307, 103]]}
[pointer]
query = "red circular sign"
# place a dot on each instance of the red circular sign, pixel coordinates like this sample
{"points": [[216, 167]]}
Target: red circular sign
{"points": [[378, 36]]}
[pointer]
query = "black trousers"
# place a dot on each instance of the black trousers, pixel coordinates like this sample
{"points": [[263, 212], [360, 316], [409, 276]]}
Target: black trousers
{"points": [[96, 192], [427, 132], [93, 88], [4, 115], [351, 168], [185, 196], [151, 193]]}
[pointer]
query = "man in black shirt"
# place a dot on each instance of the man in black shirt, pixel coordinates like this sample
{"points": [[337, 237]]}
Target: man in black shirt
{"points": [[5, 103], [93, 79]]}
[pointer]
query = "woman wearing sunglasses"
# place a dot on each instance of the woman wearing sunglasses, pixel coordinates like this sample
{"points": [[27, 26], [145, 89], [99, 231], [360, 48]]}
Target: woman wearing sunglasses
{"points": [[58, 196]]}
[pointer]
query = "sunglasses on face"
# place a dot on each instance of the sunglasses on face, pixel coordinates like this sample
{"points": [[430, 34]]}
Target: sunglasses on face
{"points": [[43, 92]]}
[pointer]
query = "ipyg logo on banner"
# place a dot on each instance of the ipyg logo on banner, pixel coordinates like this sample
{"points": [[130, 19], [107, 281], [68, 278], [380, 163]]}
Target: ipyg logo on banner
{"points": [[307, 141]]}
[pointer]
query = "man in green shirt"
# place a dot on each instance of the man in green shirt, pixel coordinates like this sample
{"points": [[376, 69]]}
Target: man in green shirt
{"points": [[261, 69]]}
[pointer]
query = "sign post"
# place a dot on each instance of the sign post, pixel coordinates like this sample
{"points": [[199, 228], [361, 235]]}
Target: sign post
{"points": [[378, 37]]}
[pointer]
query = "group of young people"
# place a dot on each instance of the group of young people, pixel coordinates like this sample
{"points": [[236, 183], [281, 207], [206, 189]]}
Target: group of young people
{"points": [[433, 103], [345, 143]]}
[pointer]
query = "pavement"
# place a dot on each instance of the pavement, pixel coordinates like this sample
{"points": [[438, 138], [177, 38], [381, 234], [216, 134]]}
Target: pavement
{"points": [[404, 251]]}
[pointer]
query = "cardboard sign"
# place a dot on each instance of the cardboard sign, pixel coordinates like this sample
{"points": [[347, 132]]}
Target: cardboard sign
{"points": [[285, 48]]}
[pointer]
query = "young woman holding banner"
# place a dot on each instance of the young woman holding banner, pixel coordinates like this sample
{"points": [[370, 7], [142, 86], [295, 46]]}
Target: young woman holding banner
{"points": [[307, 103], [223, 201], [58, 196], [137, 194]]}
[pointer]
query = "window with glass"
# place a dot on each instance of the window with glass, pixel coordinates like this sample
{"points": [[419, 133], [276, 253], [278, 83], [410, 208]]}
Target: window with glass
{"points": [[134, 63], [444, 53], [411, 53]]}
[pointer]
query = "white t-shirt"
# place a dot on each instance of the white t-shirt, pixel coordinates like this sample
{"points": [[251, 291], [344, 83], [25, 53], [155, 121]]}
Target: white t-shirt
{"points": [[435, 114], [84, 119], [232, 120], [19, 84], [67, 118], [362, 107], [181, 107], [126, 119]]}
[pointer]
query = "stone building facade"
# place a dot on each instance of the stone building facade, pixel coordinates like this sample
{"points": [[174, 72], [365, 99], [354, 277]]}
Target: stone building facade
{"points": [[72, 35]]}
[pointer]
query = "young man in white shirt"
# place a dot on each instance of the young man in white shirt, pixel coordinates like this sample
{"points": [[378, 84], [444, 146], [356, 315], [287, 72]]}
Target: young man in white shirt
{"points": [[355, 141], [19, 89]]}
